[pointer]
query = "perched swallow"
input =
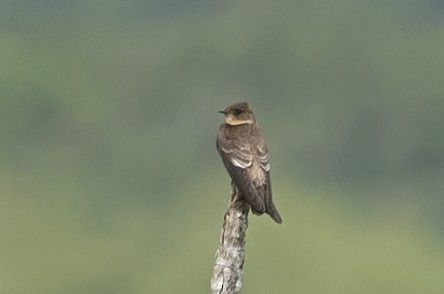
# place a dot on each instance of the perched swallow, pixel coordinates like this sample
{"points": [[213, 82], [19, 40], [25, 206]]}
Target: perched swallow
{"points": [[242, 146]]}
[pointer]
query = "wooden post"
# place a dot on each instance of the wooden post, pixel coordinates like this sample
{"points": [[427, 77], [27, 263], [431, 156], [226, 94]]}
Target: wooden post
{"points": [[228, 267]]}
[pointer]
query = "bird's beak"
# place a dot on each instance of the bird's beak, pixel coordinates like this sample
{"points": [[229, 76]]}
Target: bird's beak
{"points": [[222, 111]]}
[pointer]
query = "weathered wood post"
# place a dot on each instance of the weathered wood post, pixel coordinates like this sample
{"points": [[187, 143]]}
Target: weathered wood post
{"points": [[228, 267]]}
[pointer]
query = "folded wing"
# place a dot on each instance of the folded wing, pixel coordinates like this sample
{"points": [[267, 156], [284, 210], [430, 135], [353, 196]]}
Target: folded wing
{"points": [[244, 170]]}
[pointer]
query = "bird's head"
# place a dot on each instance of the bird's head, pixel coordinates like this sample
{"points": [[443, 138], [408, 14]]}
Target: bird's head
{"points": [[239, 113]]}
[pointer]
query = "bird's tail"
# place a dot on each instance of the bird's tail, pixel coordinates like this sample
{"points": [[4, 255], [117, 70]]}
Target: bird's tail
{"points": [[272, 211]]}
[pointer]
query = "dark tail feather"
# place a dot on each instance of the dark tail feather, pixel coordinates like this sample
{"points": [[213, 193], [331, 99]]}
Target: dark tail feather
{"points": [[272, 211]]}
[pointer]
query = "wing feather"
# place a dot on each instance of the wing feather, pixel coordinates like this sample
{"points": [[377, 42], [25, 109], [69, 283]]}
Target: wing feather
{"points": [[238, 160], [262, 155]]}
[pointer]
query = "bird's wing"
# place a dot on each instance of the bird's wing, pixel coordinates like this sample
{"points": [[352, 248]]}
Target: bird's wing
{"points": [[265, 187], [262, 155], [238, 158]]}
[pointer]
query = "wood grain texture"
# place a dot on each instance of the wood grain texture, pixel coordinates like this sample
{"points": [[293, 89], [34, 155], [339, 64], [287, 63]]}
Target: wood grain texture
{"points": [[228, 267]]}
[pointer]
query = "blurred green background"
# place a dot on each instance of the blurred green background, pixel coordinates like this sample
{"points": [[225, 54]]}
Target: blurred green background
{"points": [[109, 178]]}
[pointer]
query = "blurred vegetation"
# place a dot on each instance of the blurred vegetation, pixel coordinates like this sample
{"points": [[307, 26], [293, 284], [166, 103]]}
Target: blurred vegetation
{"points": [[109, 179]]}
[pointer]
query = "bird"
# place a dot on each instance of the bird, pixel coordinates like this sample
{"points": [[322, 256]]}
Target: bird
{"points": [[244, 152]]}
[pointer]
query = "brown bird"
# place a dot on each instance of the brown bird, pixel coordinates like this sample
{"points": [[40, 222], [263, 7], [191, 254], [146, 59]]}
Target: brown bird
{"points": [[242, 146]]}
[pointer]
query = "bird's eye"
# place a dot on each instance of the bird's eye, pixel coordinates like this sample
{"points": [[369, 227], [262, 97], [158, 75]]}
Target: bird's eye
{"points": [[237, 111]]}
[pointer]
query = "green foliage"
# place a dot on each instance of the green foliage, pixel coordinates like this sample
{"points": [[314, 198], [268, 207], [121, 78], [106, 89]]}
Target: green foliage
{"points": [[109, 178]]}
